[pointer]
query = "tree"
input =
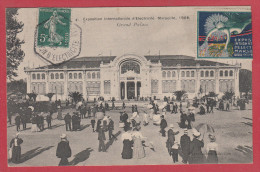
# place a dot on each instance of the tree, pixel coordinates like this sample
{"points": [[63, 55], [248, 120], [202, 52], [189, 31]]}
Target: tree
{"points": [[245, 81], [32, 96], [14, 53], [179, 94], [18, 86], [76, 96], [228, 95], [49, 95], [212, 94]]}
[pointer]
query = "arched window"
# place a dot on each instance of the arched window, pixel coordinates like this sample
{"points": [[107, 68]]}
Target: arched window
{"points": [[43, 76], [192, 73], [61, 76], [52, 76], [207, 74], [56, 76], [231, 73], [93, 75], [168, 74], [182, 74], [211, 73], [201, 73], [70, 75], [130, 66], [98, 75], [80, 75], [173, 74], [163, 74], [75, 75], [38, 76], [226, 73], [188, 74], [221, 73], [89, 75], [33, 76]]}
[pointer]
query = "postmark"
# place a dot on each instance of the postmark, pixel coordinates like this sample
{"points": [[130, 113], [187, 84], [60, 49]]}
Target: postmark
{"points": [[57, 39], [224, 35]]}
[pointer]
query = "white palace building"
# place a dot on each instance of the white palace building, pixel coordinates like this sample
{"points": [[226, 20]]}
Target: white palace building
{"points": [[130, 76]]}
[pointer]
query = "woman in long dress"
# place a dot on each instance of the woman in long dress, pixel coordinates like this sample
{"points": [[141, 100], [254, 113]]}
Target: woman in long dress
{"points": [[196, 145], [127, 152], [212, 149], [15, 145], [138, 149]]}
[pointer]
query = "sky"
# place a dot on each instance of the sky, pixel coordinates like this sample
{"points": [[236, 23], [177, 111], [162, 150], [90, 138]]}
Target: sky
{"points": [[171, 37]]}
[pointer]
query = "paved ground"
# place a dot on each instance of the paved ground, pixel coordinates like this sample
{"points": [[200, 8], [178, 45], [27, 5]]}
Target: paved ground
{"points": [[233, 132]]}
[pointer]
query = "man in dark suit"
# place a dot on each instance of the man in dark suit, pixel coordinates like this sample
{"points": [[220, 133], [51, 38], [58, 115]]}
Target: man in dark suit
{"points": [[67, 120], [18, 122], [185, 146], [63, 151], [101, 138], [23, 120], [48, 120], [110, 128], [163, 125]]}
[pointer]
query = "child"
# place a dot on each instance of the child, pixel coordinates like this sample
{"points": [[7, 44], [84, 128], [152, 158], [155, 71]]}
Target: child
{"points": [[174, 151], [93, 121]]}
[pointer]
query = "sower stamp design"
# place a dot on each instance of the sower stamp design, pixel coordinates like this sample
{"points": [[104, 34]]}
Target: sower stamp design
{"points": [[56, 38], [224, 35]]}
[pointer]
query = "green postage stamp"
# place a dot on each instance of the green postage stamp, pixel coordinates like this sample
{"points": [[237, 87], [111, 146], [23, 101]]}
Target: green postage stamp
{"points": [[57, 39], [54, 27]]}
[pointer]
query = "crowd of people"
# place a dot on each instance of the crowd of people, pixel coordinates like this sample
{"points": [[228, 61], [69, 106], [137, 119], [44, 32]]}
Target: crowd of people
{"points": [[134, 143]]}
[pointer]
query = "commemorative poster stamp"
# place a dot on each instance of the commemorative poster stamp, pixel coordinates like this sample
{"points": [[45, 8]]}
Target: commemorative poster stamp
{"points": [[224, 34], [125, 86]]}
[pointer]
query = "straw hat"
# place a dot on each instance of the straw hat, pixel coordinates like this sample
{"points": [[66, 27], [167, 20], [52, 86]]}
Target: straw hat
{"points": [[185, 131], [195, 133], [171, 126], [63, 136]]}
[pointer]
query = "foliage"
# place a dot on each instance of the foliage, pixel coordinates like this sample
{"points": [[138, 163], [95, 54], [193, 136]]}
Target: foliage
{"points": [[18, 86], [179, 94], [14, 53], [228, 95], [49, 95], [32, 96], [76, 96], [212, 94], [245, 81]]}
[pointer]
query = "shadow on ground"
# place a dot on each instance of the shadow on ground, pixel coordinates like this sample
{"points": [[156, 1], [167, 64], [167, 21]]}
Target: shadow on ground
{"points": [[34, 152], [110, 142], [84, 127], [246, 150], [81, 156]]}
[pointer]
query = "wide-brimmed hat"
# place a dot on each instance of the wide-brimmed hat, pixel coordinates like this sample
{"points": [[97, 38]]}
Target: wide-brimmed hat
{"points": [[63, 136], [171, 126], [212, 138], [195, 133], [17, 134]]}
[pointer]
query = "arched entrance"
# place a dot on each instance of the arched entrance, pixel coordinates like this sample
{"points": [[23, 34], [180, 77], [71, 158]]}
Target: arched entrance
{"points": [[130, 79]]}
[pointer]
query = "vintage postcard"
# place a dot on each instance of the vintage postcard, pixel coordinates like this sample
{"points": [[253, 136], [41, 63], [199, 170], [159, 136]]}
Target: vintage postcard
{"points": [[128, 86]]}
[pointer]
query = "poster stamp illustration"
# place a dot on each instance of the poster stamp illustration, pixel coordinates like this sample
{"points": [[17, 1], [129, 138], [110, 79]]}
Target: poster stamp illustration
{"points": [[56, 38], [224, 35]]}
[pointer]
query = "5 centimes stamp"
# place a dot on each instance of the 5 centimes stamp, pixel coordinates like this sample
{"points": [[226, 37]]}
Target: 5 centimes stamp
{"points": [[57, 39], [224, 35]]}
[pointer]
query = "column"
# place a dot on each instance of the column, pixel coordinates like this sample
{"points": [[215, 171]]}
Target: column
{"points": [[236, 77], [28, 82], [136, 89], [47, 81], [217, 81], [125, 90], [84, 90], [66, 84], [178, 82]]}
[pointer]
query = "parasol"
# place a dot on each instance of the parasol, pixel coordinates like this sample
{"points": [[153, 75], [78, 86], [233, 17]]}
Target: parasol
{"points": [[205, 128]]}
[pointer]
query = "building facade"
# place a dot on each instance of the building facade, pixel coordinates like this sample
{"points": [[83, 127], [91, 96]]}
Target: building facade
{"points": [[130, 76]]}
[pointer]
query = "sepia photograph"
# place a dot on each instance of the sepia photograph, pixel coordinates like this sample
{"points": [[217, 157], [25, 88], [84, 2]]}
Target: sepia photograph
{"points": [[129, 86]]}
